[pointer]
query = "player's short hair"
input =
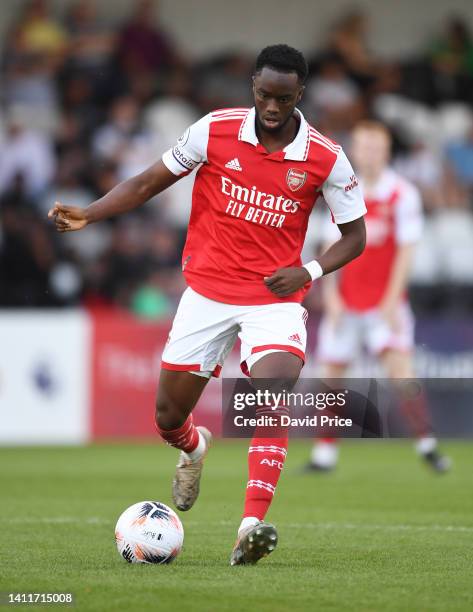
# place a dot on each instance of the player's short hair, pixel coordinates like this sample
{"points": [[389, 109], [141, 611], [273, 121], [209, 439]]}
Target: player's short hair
{"points": [[283, 58], [372, 125]]}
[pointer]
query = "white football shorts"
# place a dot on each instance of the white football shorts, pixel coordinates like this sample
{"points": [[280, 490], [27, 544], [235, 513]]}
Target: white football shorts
{"points": [[340, 344], [204, 332]]}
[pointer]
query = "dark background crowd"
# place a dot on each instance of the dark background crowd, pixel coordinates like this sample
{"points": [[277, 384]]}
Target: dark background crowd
{"points": [[85, 105]]}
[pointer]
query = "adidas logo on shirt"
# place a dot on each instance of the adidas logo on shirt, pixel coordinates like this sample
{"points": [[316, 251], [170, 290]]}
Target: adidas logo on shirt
{"points": [[295, 338], [234, 164]]}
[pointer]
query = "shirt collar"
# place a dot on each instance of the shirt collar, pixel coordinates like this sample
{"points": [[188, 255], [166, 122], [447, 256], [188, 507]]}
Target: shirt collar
{"points": [[296, 150]]}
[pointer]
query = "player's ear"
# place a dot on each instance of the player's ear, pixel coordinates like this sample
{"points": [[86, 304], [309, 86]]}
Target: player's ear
{"points": [[301, 91]]}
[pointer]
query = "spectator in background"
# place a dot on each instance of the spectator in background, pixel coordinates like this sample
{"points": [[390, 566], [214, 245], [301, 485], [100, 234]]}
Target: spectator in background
{"points": [[92, 43], [124, 140], [30, 83], [104, 177], [165, 117], [460, 157], [126, 264], [91, 52], [81, 112], [70, 185], [172, 112], [26, 250], [451, 57], [144, 47], [424, 167], [111, 139], [153, 296], [27, 153], [70, 136], [39, 34], [223, 82], [165, 247], [333, 100], [34, 51], [70, 182], [348, 40]]}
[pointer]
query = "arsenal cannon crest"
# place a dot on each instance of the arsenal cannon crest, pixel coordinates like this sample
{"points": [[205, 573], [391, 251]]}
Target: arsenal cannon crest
{"points": [[295, 179]]}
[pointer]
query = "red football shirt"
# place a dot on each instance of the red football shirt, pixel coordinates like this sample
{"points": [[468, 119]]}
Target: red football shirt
{"points": [[394, 217], [250, 208]]}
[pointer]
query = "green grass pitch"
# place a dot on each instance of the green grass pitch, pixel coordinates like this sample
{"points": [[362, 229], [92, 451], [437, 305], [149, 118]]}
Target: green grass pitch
{"points": [[381, 533]]}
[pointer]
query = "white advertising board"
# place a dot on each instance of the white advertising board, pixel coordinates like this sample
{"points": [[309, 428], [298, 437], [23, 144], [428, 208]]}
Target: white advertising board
{"points": [[44, 377]]}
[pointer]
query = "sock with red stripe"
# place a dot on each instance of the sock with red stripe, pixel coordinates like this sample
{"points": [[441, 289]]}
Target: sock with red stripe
{"points": [[266, 457], [186, 438]]}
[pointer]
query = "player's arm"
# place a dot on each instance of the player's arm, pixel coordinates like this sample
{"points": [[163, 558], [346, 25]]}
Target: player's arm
{"points": [[350, 244], [189, 152], [409, 223], [332, 301], [400, 273], [123, 198], [344, 198]]}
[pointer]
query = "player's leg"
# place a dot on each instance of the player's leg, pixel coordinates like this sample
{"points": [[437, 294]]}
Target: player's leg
{"points": [[273, 344], [178, 393], [267, 453], [394, 348], [325, 451], [266, 456], [337, 345], [201, 336], [399, 365]]}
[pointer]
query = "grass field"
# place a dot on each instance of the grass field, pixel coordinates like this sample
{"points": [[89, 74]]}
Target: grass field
{"points": [[382, 533]]}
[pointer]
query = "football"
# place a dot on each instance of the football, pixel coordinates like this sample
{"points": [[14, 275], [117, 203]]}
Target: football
{"points": [[149, 532]]}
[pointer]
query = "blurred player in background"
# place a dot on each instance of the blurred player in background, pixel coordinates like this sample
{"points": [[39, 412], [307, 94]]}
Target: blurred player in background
{"points": [[365, 303], [260, 171]]}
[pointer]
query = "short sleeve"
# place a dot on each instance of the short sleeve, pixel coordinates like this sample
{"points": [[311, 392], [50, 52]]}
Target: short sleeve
{"points": [[409, 215], [191, 148], [328, 230], [342, 192]]}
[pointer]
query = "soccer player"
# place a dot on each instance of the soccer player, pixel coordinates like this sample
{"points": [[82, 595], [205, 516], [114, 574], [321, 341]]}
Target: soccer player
{"points": [[366, 302], [260, 171]]}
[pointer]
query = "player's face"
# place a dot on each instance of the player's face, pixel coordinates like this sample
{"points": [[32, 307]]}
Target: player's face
{"points": [[370, 150], [276, 95]]}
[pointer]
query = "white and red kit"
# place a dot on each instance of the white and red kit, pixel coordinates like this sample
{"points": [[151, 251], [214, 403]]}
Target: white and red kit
{"points": [[394, 217], [250, 210]]}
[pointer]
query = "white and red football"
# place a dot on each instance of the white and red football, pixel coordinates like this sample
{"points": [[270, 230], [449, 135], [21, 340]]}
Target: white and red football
{"points": [[149, 532]]}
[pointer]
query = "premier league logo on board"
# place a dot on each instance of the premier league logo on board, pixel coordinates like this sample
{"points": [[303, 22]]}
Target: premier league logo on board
{"points": [[295, 179]]}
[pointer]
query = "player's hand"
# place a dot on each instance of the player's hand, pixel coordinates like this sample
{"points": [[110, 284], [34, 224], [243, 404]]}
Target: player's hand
{"points": [[287, 280], [68, 218]]}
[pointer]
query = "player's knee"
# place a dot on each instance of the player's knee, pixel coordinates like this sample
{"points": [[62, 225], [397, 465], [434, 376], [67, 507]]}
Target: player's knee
{"points": [[278, 370], [279, 367], [167, 415]]}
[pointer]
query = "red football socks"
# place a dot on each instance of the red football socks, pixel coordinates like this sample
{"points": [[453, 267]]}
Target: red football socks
{"points": [[266, 457], [185, 438]]}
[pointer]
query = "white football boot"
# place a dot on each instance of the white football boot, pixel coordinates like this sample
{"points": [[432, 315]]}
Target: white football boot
{"points": [[186, 483], [254, 543]]}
